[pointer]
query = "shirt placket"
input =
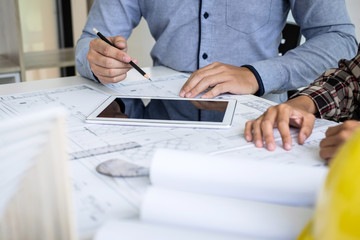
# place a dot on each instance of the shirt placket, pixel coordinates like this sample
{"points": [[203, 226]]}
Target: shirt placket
{"points": [[206, 15]]}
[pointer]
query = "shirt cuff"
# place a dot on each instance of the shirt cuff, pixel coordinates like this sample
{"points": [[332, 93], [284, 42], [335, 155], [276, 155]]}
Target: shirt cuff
{"points": [[261, 90]]}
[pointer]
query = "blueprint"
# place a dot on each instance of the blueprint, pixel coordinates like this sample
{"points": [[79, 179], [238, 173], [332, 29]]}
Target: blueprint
{"points": [[99, 198]]}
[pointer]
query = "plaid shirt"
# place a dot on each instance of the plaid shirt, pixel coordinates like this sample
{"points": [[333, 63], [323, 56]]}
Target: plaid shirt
{"points": [[336, 92]]}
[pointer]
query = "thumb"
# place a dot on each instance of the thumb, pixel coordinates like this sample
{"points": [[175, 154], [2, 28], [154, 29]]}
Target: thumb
{"points": [[120, 42]]}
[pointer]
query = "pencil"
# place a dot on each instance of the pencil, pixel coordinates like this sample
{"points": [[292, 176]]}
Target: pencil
{"points": [[131, 62]]}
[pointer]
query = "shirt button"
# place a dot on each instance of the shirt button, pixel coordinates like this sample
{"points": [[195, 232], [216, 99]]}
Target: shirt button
{"points": [[206, 15], [204, 56]]}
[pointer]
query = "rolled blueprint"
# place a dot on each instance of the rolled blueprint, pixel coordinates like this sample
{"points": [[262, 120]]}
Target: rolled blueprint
{"points": [[295, 185]]}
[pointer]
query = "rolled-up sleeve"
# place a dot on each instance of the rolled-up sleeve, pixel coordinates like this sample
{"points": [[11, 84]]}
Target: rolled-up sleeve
{"points": [[336, 93]]}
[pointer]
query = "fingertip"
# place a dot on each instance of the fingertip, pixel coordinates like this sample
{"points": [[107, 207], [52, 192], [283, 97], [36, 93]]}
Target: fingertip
{"points": [[248, 138], [287, 146], [182, 93], [119, 44], [271, 146], [258, 144], [302, 138], [126, 59]]}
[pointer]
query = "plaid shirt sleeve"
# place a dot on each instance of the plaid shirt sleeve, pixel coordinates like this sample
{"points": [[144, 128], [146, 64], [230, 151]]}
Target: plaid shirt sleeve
{"points": [[336, 92]]}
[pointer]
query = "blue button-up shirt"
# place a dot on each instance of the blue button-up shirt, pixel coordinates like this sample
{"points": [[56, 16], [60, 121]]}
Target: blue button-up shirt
{"points": [[191, 34]]}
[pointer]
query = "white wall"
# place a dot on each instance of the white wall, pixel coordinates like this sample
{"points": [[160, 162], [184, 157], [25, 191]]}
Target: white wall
{"points": [[38, 29], [78, 14], [140, 44]]}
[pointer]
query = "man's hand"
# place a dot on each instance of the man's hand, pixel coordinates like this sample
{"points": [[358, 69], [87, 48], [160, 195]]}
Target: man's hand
{"points": [[336, 137], [223, 78], [109, 64], [297, 112]]}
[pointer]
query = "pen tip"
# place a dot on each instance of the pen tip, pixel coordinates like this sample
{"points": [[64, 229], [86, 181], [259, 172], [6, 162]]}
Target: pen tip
{"points": [[147, 76], [95, 30]]}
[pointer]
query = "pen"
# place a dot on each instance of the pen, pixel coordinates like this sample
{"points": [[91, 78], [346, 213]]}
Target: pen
{"points": [[131, 62]]}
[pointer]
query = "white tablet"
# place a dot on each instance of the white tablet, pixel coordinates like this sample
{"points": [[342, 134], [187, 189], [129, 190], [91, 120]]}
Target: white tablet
{"points": [[170, 112]]}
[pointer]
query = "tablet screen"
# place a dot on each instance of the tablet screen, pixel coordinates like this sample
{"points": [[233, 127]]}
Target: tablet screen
{"points": [[178, 111]]}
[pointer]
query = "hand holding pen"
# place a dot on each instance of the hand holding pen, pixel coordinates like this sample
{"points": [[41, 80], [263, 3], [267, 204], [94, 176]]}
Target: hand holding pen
{"points": [[106, 61]]}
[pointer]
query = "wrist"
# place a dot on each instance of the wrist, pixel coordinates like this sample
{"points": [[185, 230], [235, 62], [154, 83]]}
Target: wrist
{"points": [[305, 103], [256, 81]]}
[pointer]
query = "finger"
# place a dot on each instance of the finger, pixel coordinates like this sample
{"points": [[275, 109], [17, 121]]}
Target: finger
{"points": [[220, 87], [283, 116], [209, 79], [107, 50], [248, 130], [108, 80], [120, 42], [329, 142], [104, 61], [326, 142], [267, 128], [108, 72], [198, 83], [257, 133], [334, 140], [222, 83], [333, 130], [196, 77], [306, 128], [327, 153], [190, 82]]}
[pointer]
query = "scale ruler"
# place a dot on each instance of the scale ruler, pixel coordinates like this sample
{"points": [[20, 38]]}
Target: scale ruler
{"points": [[103, 150]]}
